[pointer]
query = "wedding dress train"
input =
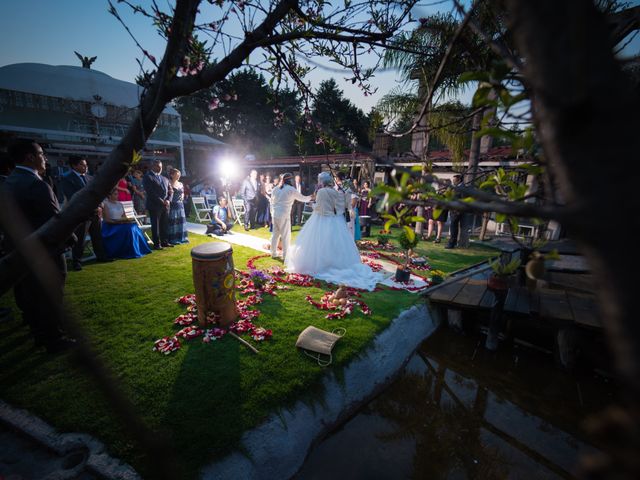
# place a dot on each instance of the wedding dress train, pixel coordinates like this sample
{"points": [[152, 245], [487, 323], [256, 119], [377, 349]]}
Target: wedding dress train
{"points": [[326, 249]]}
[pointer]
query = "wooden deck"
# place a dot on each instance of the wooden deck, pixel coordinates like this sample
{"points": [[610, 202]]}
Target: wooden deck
{"points": [[568, 301]]}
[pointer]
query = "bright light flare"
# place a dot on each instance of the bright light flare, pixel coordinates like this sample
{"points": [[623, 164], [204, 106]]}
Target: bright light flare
{"points": [[228, 168]]}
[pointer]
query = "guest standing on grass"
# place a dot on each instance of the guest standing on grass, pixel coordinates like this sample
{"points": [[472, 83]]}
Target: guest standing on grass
{"points": [[138, 192], [455, 217], [124, 190], [72, 183], [263, 217], [268, 189], [365, 201], [355, 205], [187, 197], [249, 191], [33, 201], [159, 193], [282, 199], [177, 217], [298, 207]]}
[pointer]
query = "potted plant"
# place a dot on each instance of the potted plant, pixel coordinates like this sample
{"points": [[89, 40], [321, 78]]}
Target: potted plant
{"points": [[408, 241], [501, 271], [437, 276]]}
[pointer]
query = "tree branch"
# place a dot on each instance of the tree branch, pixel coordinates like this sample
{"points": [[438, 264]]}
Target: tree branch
{"points": [[208, 76]]}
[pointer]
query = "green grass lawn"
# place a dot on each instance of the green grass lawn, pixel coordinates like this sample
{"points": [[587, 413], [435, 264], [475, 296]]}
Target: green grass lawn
{"points": [[203, 396]]}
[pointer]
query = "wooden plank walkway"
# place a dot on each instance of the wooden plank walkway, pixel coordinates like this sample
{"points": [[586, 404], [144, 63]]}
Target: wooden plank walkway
{"points": [[571, 302]]}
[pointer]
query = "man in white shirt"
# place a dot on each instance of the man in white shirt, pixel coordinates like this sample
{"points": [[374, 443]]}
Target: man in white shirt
{"points": [[282, 199]]}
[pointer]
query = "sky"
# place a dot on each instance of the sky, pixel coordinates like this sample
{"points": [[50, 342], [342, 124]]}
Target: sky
{"points": [[48, 31]]}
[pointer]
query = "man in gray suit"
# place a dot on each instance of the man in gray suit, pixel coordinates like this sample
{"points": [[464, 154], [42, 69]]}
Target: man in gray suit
{"points": [[36, 203], [72, 183], [249, 192]]}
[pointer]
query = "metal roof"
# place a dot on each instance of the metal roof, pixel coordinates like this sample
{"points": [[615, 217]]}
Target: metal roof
{"points": [[74, 83], [200, 138]]}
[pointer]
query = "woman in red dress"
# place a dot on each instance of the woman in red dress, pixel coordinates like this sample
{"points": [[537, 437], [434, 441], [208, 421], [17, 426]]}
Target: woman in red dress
{"points": [[124, 190]]}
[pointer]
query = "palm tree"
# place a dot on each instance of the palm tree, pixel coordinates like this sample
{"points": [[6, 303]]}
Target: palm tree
{"points": [[419, 55]]}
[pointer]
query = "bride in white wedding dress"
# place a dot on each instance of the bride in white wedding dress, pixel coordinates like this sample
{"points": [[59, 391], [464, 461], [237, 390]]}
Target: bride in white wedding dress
{"points": [[325, 248]]}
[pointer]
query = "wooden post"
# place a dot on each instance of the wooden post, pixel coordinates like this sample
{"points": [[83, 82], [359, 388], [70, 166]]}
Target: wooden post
{"points": [[495, 319], [483, 228]]}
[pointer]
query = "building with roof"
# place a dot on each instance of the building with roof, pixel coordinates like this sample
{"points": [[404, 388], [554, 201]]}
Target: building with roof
{"points": [[78, 111]]}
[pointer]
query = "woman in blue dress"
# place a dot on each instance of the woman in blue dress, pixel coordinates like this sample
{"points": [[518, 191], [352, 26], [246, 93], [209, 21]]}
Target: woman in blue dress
{"points": [[138, 192], [177, 218], [121, 236]]}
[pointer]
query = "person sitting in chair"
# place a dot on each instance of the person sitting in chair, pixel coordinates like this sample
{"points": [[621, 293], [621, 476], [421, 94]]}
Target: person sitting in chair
{"points": [[121, 236], [220, 224]]}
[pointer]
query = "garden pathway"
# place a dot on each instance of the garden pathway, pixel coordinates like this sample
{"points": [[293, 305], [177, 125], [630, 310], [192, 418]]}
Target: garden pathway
{"points": [[259, 244]]}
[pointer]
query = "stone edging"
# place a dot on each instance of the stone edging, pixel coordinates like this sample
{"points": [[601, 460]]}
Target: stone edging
{"points": [[278, 447], [96, 461]]}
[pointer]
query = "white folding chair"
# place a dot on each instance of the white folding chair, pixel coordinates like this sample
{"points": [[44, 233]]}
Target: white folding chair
{"points": [[203, 212], [211, 200], [130, 212], [237, 205]]}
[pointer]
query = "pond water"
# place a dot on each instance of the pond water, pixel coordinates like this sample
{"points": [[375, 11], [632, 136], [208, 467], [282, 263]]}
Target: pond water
{"points": [[460, 412]]}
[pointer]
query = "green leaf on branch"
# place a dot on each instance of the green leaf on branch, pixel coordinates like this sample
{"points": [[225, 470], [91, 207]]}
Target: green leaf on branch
{"points": [[437, 212], [488, 184], [474, 77], [388, 224], [411, 235], [480, 98], [136, 157], [501, 217]]}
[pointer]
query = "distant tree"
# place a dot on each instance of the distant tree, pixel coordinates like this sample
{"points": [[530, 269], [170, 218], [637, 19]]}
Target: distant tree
{"points": [[337, 117], [244, 110]]}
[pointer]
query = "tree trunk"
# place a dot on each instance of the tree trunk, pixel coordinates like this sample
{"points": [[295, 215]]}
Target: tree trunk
{"points": [[423, 153], [483, 228], [584, 107], [472, 172]]}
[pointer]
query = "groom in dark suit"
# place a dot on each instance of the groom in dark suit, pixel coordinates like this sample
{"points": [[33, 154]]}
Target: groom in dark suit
{"points": [[72, 183], [159, 193], [249, 192], [36, 203]]}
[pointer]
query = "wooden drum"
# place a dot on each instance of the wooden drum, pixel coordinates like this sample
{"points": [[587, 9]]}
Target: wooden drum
{"points": [[214, 281]]}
